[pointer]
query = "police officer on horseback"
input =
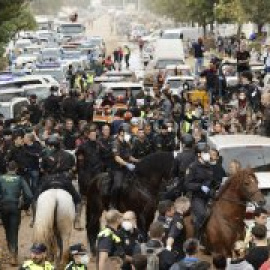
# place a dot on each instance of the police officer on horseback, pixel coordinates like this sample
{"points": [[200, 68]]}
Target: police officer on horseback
{"points": [[57, 166], [198, 182], [123, 158], [182, 162], [89, 158]]}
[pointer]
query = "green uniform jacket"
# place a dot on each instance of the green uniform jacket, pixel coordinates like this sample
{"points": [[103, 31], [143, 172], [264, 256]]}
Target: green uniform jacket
{"points": [[12, 187]]}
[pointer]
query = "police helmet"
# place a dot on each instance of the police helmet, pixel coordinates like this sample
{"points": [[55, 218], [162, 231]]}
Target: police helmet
{"points": [[187, 140], [201, 147], [53, 141]]}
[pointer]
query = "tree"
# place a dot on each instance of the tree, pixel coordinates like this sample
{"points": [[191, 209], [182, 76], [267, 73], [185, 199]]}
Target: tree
{"points": [[257, 12], [14, 17]]}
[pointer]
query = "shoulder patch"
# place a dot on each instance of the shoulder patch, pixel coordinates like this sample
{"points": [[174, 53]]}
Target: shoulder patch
{"points": [[179, 225]]}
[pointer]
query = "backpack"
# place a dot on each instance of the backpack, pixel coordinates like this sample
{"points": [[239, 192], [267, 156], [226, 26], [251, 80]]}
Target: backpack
{"points": [[152, 256]]}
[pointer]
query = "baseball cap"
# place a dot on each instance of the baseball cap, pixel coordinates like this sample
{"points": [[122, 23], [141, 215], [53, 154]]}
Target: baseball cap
{"points": [[38, 248]]}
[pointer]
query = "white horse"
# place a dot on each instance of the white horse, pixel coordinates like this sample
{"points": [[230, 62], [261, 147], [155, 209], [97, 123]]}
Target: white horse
{"points": [[55, 214]]}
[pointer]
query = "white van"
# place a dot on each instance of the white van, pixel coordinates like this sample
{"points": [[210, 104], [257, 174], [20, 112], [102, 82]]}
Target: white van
{"points": [[250, 150], [13, 108], [168, 52]]}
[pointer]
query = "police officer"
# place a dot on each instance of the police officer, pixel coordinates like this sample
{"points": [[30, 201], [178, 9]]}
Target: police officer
{"points": [[57, 166], [109, 244], [177, 234], [122, 158], [198, 181], [164, 141], [38, 259], [130, 236], [79, 257], [52, 104], [11, 187], [141, 145], [106, 144], [89, 159], [183, 160]]}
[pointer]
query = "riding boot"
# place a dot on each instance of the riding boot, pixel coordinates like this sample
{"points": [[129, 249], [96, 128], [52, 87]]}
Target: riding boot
{"points": [[77, 221]]}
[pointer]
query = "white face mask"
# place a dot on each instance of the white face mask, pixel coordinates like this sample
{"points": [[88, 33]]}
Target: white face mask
{"points": [[84, 259], [127, 225], [169, 129], [127, 137], [205, 157], [213, 162]]}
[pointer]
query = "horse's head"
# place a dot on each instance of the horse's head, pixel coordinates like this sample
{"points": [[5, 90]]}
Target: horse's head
{"points": [[249, 189]]}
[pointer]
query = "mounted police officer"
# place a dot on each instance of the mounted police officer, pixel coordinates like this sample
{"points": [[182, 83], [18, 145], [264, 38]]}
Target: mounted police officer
{"points": [[122, 158], [57, 166], [141, 146], [164, 141], [106, 144], [198, 181], [182, 162], [11, 188], [89, 159]]}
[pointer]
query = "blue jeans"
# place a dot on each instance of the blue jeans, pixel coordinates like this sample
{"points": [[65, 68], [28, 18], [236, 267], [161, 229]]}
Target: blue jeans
{"points": [[198, 65], [33, 180]]}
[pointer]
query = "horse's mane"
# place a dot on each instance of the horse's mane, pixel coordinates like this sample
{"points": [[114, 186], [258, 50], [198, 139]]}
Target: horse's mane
{"points": [[159, 162], [236, 180]]}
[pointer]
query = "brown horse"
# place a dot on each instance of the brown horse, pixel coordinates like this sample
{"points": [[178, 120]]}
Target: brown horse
{"points": [[226, 222]]}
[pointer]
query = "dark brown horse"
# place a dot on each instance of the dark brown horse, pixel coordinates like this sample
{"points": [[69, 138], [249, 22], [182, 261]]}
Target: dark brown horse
{"points": [[140, 194], [226, 222]]}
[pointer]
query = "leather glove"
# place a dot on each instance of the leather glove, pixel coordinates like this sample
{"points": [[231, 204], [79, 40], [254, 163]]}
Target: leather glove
{"points": [[131, 167], [205, 189]]}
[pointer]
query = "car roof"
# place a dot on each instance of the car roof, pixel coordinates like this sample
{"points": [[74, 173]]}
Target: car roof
{"points": [[231, 141], [122, 84]]}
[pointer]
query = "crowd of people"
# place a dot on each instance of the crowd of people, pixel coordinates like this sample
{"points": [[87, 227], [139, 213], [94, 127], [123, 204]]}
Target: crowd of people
{"points": [[58, 141]]}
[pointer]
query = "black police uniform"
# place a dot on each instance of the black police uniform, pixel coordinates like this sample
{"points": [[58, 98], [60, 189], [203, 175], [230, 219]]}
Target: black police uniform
{"points": [[109, 241], [106, 154], [165, 142], [178, 233], [140, 148], [52, 107], [182, 162], [123, 150], [130, 242], [57, 168], [11, 188], [198, 175], [90, 165]]}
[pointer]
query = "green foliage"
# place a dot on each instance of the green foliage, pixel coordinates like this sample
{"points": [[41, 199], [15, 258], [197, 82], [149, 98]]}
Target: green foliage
{"points": [[14, 17]]}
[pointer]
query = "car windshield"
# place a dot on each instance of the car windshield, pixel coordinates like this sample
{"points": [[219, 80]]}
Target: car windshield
{"points": [[93, 42], [71, 55], [57, 74], [162, 64], [122, 91], [6, 111], [171, 36], [174, 83], [256, 157], [266, 194], [71, 29], [9, 96]]}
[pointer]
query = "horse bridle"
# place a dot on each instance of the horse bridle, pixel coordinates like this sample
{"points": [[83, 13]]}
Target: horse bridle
{"points": [[239, 202]]}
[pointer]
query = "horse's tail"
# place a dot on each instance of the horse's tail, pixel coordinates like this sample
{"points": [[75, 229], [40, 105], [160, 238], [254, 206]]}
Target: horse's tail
{"points": [[64, 219], [94, 209], [45, 215]]}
